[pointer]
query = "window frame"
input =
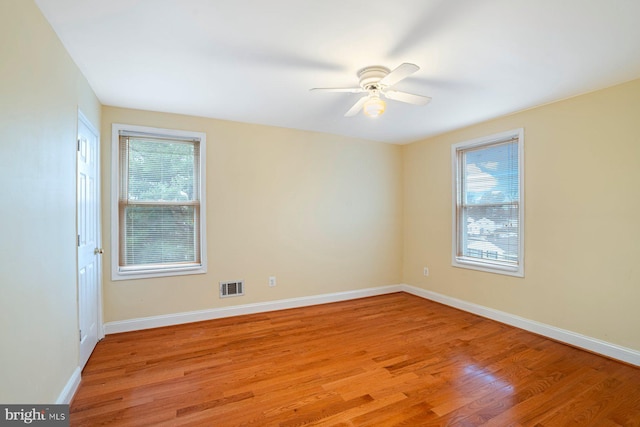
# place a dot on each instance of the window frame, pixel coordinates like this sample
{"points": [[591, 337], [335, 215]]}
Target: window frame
{"points": [[456, 170], [128, 273]]}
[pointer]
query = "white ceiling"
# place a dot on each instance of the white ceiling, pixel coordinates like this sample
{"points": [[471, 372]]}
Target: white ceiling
{"points": [[255, 60]]}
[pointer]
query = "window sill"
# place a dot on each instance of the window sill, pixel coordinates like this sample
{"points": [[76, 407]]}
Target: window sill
{"points": [[131, 274], [489, 267]]}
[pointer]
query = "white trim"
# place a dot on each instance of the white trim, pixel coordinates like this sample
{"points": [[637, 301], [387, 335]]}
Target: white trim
{"points": [[116, 272], [476, 264], [238, 310], [70, 388], [594, 345]]}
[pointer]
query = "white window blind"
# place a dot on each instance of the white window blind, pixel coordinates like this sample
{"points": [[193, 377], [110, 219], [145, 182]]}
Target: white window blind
{"points": [[159, 202], [488, 204]]}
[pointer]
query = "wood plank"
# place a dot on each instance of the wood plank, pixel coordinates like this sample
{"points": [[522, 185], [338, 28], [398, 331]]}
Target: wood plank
{"points": [[387, 360]]}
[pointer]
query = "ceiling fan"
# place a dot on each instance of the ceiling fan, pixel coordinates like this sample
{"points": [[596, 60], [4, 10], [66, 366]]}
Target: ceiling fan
{"points": [[377, 81]]}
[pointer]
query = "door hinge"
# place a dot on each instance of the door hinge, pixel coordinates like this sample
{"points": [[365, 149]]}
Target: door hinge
{"points": [[78, 145], [80, 335], [78, 241]]}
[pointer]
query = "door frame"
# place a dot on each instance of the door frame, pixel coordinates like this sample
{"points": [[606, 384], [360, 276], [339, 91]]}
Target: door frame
{"points": [[100, 326]]}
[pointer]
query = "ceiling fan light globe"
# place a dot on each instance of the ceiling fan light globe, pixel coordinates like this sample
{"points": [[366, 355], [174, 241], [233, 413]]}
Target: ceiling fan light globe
{"points": [[374, 107]]}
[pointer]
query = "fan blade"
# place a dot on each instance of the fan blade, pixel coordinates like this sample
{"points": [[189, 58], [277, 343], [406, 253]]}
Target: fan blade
{"points": [[356, 107], [338, 89], [401, 72], [409, 98]]}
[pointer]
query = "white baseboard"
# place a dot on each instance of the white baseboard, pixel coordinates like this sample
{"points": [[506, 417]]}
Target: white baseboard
{"points": [[238, 310], [572, 338], [70, 388]]}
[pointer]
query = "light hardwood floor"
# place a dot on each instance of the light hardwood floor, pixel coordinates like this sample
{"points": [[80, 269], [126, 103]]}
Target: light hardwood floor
{"points": [[389, 360]]}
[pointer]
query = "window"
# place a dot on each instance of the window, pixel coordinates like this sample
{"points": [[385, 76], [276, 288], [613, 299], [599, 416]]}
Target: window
{"points": [[488, 208], [158, 209]]}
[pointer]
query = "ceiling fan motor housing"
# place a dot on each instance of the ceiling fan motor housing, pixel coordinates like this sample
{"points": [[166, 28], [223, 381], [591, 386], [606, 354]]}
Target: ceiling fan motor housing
{"points": [[370, 76]]}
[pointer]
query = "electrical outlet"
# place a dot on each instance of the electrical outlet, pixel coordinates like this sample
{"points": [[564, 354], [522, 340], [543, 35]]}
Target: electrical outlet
{"points": [[272, 281], [426, 271]]}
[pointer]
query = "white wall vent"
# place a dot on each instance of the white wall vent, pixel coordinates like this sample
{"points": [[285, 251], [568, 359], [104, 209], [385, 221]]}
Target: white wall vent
{"points": [[231, 289]]}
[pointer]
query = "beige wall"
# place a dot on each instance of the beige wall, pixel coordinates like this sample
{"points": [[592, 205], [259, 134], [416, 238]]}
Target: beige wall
{"points": [[40, 92], [582, 217], [322, 213]]}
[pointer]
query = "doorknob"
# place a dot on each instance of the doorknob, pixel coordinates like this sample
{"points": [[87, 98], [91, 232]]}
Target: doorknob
{"points": [[97, 251]]}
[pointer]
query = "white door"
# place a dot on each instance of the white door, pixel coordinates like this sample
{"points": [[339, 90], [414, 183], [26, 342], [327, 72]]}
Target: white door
{"points": [[89, 251]]}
